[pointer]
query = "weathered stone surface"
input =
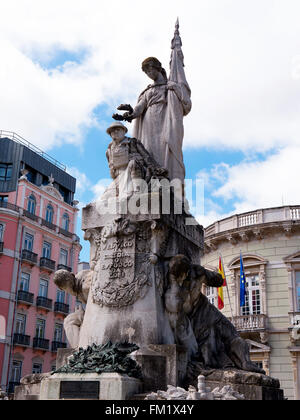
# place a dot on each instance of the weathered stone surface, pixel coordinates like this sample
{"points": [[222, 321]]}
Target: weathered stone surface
{"points": [[112, 386], [62, 357], [253, 386], [201, 393]]}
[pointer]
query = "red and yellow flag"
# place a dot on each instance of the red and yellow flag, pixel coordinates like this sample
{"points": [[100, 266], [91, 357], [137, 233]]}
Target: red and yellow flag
{"points": [[220, 289]]}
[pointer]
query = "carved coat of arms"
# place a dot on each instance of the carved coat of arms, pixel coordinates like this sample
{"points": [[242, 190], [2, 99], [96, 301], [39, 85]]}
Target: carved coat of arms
{"points": [[116, 282]]}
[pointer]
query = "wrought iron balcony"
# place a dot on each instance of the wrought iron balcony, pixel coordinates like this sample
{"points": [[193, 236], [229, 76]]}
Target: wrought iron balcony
{"points": [[30, 215], [49, 225], [44, 303], [64, 267], [22, 340], [40, 343], [25, 297], [57, 345], [61, 308], [29, 256], [47, 264], [65, 233], [9, 206], [250, 323], [1, 247]]}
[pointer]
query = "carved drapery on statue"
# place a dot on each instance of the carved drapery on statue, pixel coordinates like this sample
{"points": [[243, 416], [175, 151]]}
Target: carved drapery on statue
{"points": [[158, 115]]}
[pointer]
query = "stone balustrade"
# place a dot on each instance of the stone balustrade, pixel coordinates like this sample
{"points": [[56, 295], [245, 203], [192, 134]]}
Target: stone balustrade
{"points": [[250, 322], [258, 217]]}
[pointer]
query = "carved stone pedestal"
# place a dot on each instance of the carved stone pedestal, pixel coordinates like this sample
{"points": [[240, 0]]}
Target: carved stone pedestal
{"points": [[107, 386], [162, 365], [254, 386], [129, 258]]}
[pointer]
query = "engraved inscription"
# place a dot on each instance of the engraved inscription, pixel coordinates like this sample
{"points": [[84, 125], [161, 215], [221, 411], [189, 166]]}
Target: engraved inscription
{"points": [[116, 282]]}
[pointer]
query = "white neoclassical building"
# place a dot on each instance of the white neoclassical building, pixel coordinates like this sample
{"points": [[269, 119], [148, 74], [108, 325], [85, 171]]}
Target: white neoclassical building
{"points": [[269, 240]]}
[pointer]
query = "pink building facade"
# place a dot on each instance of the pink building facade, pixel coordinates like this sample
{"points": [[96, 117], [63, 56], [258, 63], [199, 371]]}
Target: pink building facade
{"points": [[37, 237]]}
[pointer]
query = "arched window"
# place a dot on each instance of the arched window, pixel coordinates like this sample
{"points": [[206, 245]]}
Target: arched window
{"points": [[31, 206], [255, 276], [49, 213], [1, 232], [65, 222]]}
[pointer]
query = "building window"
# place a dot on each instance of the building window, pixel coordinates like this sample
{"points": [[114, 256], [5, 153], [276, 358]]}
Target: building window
{"points": [[46, 250], [40, 328], [66, 222], [298, 290], [37, 368], [49, 213], [211, 295], [20, 324], [63, 257], [259, 364], [3, 200], [31, 205], [252, 301], [24, 282], [58, 333], [1, 232], [5, 172], [28, 242], [43, 289], [16, 372], [60, 296]]}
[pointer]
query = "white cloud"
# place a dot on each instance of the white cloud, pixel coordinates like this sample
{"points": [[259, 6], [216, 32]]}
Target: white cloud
{"points": [[253, 185], [82, 182], [99, 188], [239, 62]]}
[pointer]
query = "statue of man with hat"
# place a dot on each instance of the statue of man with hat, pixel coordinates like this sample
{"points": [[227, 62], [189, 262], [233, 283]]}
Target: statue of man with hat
{"points": [[129, 162]]}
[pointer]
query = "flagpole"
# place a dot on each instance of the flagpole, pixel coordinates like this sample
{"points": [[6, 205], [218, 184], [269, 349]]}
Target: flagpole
{"points": [[227, 287]]}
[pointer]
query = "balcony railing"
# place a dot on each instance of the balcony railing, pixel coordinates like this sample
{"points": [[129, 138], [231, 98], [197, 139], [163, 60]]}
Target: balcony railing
{"points": [[30, 215], [61, 308], [18, 139], [258, 217], [49, 225], [250, 322], [57, 345], [65, 233], [44, 303], [29, 256], [41, 343], [22, 340], [9, 206], [64, 267], [25, 297], [47, 263], [1, 247]]}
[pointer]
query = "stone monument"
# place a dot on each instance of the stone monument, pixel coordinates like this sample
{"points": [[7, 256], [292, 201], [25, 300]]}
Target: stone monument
{"points": [[143, 289]]}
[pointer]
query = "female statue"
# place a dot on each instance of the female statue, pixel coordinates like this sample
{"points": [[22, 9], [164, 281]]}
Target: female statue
{"points": [[160, 110]]}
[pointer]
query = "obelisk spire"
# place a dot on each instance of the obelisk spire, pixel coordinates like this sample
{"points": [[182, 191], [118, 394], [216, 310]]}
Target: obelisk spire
{"points": [[176, 41]]}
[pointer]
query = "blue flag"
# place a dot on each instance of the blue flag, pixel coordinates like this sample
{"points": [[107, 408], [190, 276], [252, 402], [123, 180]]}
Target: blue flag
{"points": [[242, 283]]}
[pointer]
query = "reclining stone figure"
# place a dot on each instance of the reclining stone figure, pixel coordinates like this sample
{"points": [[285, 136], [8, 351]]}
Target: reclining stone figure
{"points": [[208, 335]]}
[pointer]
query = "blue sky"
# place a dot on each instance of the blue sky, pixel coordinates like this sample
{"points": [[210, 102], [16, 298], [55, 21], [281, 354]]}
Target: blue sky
{"points": [[68, 65]]}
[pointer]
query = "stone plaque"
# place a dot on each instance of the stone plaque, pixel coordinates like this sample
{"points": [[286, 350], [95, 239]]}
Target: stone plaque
{"points": [[117, 283], [84, 390]]}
